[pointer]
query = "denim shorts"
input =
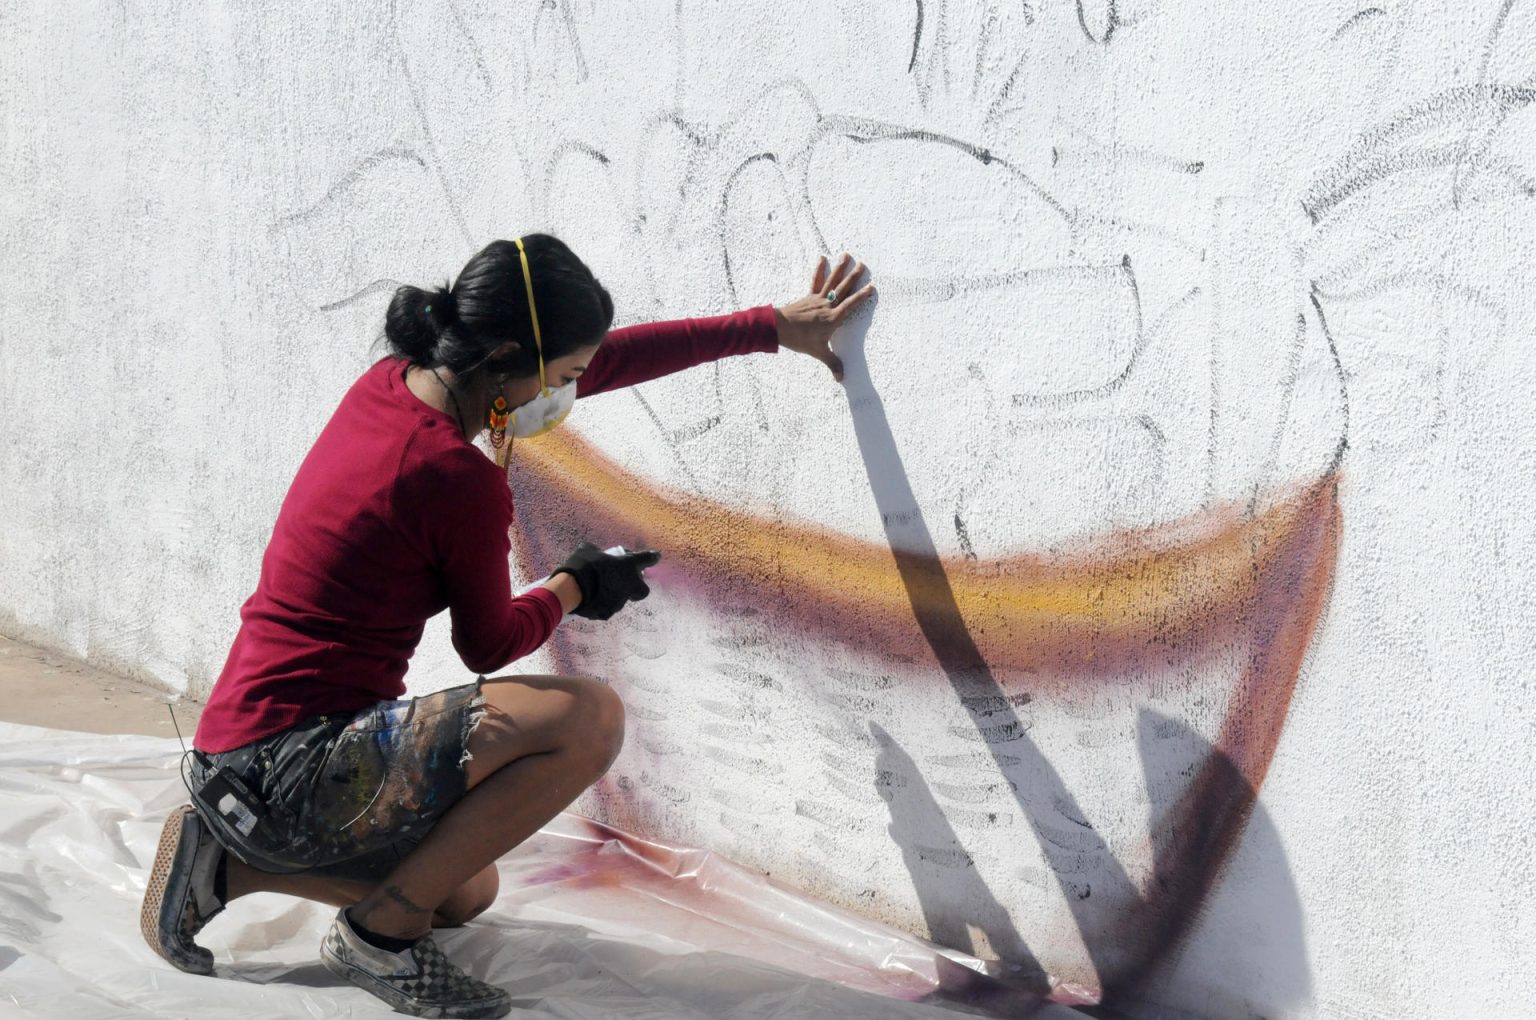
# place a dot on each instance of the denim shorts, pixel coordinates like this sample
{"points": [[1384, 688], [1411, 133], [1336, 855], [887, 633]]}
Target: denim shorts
{"points": [[348, 796]]}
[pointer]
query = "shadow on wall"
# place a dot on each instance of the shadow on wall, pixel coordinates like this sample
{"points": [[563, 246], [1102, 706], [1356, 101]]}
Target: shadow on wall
{"points": [[1191, 840], [942, 875]]}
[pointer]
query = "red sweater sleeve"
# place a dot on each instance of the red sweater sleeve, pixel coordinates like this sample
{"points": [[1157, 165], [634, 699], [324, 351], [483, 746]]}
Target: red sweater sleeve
{"points": [[637, 354], [465, 507]]}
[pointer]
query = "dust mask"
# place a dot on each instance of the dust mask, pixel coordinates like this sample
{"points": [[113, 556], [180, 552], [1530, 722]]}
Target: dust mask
{"points": [[544, 411]]}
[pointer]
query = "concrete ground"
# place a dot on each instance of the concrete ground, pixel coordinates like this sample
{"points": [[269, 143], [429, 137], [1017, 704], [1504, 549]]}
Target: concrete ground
{"points": [[42, 688]]}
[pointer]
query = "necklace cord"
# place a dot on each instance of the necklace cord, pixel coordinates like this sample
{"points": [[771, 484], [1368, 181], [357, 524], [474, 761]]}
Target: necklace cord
{"points": [[458, 415]]}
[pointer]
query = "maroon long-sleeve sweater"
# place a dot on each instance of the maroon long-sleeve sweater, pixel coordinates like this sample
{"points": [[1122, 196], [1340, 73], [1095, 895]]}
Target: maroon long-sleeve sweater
{"points": [[394, 517]]}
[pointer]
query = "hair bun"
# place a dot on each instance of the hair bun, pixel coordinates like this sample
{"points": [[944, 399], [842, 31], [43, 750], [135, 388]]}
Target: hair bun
{"points": [[412, 324], [441, 308]]}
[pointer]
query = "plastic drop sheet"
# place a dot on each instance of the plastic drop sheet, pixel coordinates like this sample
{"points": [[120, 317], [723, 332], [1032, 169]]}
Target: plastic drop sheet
{"points": [[590, 923]]}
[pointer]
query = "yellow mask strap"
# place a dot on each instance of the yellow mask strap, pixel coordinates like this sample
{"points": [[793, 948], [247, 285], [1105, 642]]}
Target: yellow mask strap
{"points": [[522, 253]]}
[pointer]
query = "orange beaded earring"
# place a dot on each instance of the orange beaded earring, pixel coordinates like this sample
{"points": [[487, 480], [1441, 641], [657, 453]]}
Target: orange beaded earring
{"points": [[500, 414]]}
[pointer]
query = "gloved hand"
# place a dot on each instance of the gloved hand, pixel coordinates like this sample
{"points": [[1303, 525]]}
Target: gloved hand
{"points": [[608, 579]]}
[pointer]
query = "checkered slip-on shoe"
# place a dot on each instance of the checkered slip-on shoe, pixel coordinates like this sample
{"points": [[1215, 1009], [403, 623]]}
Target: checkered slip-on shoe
{"points": [[417, 981], [179, 899]]}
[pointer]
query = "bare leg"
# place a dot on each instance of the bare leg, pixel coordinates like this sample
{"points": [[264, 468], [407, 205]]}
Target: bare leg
{"points": [[543, 741], [465, 902]]}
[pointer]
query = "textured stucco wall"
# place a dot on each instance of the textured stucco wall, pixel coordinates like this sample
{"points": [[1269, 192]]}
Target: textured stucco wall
{"points": [[1153, 605]]}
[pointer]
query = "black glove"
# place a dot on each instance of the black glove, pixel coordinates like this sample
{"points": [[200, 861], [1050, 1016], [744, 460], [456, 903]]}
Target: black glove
{"points": [[607, 580]]}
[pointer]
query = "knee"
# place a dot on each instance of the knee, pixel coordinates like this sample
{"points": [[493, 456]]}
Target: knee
{"points": [[470, 900], [578, 715]]}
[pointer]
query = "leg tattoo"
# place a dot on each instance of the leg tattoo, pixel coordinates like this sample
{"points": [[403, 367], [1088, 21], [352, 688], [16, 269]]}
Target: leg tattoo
{"points": [[403, 901]]}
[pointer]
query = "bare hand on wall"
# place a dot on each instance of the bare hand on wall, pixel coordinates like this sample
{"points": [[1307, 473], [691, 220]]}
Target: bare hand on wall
{"points": [[807, 323]]}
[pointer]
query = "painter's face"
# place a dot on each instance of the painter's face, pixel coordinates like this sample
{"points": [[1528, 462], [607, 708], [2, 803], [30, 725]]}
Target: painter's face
{"points": [[559, 372]]}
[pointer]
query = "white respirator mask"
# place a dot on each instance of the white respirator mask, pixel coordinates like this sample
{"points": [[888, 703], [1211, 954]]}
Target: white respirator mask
{"points": [[544, 411]]}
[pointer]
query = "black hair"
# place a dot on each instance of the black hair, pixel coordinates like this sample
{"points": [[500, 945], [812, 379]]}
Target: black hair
{"points": [[461, 325]]}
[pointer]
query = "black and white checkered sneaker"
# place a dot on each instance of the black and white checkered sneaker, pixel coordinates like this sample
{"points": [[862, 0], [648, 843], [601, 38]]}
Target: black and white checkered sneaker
{"points": [[417, 981]]}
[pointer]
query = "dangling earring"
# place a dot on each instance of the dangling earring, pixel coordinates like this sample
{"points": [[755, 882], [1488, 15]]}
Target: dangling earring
{"points": [[500, 413]]}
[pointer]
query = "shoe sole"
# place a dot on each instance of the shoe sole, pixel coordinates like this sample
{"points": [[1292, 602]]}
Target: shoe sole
{"points": [[402, 1003], [170, 848]]}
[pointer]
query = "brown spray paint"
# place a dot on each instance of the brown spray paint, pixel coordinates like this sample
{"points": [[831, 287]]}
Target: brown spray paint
{"points": [[1070, 623]]}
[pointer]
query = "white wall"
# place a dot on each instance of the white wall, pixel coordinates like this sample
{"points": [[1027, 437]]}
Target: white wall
{"points": [[1146, 268]]}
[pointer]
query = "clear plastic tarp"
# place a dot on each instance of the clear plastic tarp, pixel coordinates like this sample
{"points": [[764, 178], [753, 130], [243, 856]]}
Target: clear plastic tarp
{"points": [[590, 922]]}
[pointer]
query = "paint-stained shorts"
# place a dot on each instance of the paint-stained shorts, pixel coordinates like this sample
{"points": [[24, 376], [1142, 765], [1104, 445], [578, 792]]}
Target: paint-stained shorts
{"points": [[348, 796]]}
